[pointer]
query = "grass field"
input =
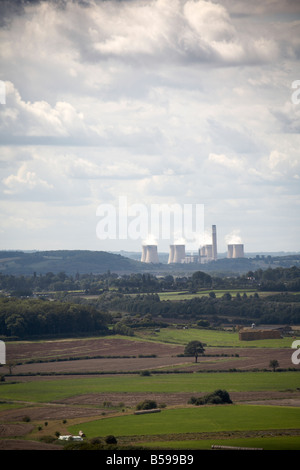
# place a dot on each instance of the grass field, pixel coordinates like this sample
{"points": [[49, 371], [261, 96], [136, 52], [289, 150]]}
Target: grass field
{"points": [[212, 338], [47, 391], [265, 443], [195, 420], [78, 400], [184, 295]]}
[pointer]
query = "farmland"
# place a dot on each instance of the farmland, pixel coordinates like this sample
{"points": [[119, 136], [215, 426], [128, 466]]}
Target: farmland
{"points": [[96, 384], [87, 357], [183, 295], [190, 420]]}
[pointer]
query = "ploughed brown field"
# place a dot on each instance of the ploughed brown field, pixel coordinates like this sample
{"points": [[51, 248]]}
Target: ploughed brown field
{"points": [[122, 355], [83, 407]]}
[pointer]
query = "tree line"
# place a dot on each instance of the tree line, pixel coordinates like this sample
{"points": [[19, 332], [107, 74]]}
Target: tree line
{"points": [[278, 279], [27, 317], [243, 308], [22, 318]]}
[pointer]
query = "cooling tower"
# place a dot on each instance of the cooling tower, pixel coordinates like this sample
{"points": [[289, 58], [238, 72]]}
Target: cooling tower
{"points": [[151, 254], [214, 242], [235, 251], [229, 251], [238, 251], [171, 255], [205, 253], [179, 253], [144, 251], [208, 251]]}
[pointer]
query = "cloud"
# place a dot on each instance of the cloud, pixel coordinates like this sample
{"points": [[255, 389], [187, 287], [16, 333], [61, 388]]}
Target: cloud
{"points": [[281, 166], [288, 116], [38, 118], [134, 33], [24, 179], [233, 164], [258, 8], [233, 238], [164, 102]]}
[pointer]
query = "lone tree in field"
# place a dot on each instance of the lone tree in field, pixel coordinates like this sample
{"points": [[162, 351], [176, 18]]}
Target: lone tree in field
{"points": [[274, 363], [194, 348]]}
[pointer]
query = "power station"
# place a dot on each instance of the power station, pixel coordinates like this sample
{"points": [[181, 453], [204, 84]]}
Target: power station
{"points": [[235, 251], [177, 254], [149, 254], [206, 253], [209, 252]]}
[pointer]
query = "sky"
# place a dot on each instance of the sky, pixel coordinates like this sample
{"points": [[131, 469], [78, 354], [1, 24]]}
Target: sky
{"points": [[152, 102]]}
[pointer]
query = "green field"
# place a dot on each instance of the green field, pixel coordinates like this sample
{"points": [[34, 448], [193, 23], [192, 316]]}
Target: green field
{"points": [[185, 295], [47, 391], [212, 338], [195, 420], [184, 427], [265, 443]]}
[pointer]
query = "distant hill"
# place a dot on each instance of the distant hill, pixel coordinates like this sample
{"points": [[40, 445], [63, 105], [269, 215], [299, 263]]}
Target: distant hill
{"points": [[68, 261], [98, 262]]}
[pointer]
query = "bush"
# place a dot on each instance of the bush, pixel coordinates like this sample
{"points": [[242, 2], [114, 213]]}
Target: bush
{"points": [[145, 373], [111, 439], [95, 441], [192, 401], [214, 400], [146, 405], [218, 397]]}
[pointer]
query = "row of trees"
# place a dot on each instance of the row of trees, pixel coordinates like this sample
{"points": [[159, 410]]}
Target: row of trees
{"points": [[36, 317], [28, 318], [278, 279], [97, 283], [241, 307]]}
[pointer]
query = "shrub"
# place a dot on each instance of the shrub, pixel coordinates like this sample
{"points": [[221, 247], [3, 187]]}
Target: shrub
{"points": [[214, 400], [218, 397], [145, 373], [192, 401], [95, 441], [111, 439], [146, 405]]}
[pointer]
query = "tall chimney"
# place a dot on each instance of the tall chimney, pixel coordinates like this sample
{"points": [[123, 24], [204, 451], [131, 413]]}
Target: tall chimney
{"points": [[214, 242]]}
